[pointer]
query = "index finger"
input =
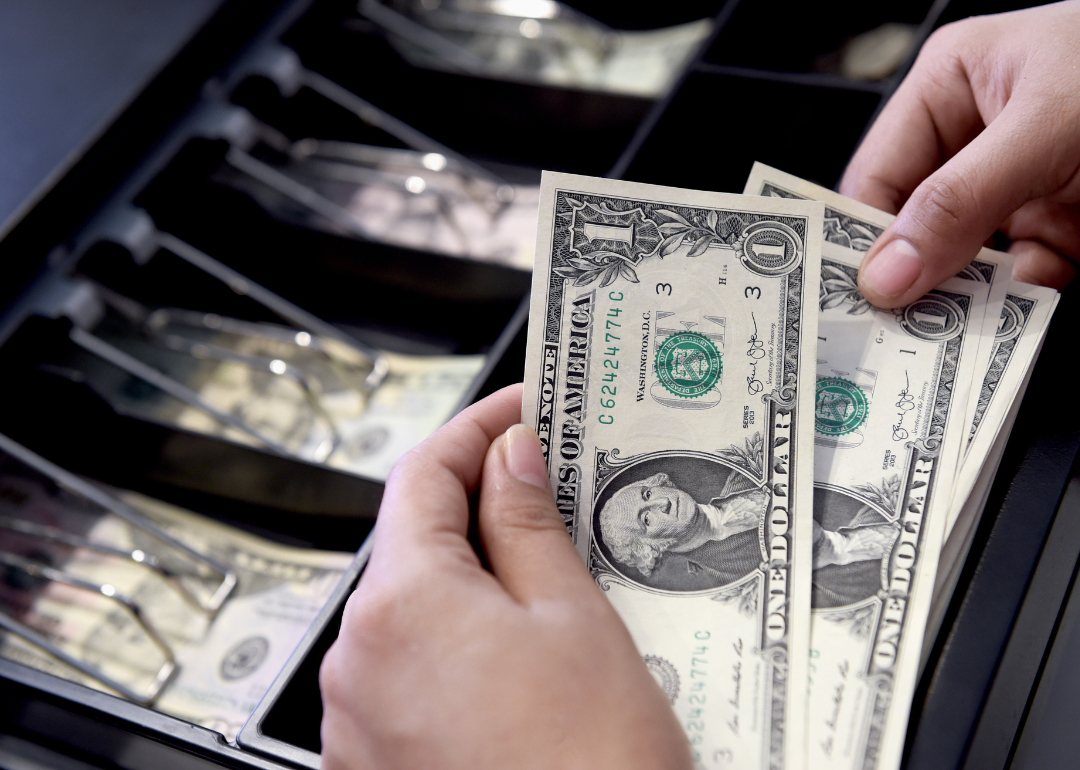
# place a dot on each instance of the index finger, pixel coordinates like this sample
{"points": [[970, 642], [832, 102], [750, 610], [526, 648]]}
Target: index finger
{"points": [[931, 117], [426, 502]]}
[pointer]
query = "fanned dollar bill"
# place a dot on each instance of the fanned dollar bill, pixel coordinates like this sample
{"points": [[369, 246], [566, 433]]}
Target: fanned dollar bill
{"points": [[1013, 349], [1014, 310], [226, 663], [669, 376], [1026, 346], [889, 424]]}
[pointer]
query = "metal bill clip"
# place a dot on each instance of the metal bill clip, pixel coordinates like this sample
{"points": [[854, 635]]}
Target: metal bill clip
{"points": [[31, 529], [134, 230], [177, 330], [80, 303], [84, 303], [108, 503], [282, 66], [42, 571], [38, 570], [400, 170], [438, 27]]}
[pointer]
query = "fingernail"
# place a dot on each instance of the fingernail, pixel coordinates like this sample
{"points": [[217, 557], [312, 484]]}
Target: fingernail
{"points": [[524, 459], [893, 270]]}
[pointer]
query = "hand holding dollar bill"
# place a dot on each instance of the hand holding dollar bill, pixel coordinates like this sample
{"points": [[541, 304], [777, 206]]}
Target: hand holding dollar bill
{"points": [[669, 378], [668, 375], [772, 482], [1018, 315]]}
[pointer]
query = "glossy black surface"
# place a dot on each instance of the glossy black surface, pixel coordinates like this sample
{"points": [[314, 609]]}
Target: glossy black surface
{"points": [[67, 70]]}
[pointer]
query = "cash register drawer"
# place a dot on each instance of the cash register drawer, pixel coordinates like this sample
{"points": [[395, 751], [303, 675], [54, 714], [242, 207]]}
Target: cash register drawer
{"points": [[154, 110]]}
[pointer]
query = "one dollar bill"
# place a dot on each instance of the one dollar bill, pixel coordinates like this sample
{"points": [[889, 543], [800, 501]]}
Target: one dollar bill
{"points": [[670, 376], [888, 429], [1017, 315]]}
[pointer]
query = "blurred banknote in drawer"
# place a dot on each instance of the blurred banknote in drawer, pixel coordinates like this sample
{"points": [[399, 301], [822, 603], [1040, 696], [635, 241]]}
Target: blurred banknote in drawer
{"points": [[427, 201], [538, 41], [298, 394], [226, 663]]}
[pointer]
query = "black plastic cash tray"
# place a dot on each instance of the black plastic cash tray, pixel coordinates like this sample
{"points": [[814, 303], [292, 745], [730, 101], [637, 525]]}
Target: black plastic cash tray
{"points": [[133, 138]]}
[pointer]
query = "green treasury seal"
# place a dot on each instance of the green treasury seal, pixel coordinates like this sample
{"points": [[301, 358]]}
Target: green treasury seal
{"points": [[840, 406], [688, 364]]}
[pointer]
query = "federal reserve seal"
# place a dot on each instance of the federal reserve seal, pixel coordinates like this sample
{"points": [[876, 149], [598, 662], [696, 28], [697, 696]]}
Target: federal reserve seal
{"points": [[688, 364], [840, 406], [245, 658], [665, 675]]}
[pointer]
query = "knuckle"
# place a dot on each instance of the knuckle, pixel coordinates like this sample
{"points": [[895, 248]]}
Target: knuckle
{"points": [[942, 39], [963, 35], [946, 37], [330, 675], [369, 625], [530, 516], [940, 65], [368, 637], [943, 205], [367, 613], [407, 466]]}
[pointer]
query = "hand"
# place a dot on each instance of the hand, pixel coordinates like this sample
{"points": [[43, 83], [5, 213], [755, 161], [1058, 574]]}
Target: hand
{"points": [[982, 135], [442, 664]]}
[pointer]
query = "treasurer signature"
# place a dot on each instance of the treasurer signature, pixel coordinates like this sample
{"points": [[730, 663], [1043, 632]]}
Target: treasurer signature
{"points": [[905, 403], [756, 352]]}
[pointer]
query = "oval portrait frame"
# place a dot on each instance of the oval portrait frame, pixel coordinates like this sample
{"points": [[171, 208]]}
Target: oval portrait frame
{"points": [[702, 476]]}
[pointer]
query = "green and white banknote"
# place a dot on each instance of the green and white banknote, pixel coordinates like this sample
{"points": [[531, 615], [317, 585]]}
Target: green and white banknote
{"points": [[1015, 324], [1014, 347], [670, 375], [849, 222], [889, 422], [304, 397], [1018, 315], [226, 662]]}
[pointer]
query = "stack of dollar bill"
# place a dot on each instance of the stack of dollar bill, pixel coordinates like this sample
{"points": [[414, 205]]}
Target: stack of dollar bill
{"points": [[775, 483]]}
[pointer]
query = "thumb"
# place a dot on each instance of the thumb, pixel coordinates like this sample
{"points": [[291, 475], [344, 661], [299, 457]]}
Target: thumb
{"points": [[951, 214], [523, 534]]}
